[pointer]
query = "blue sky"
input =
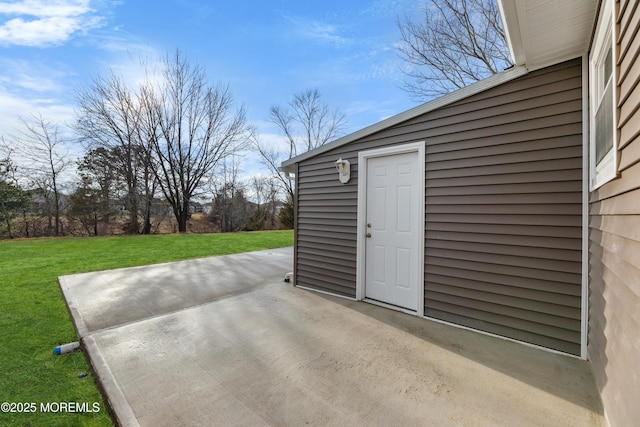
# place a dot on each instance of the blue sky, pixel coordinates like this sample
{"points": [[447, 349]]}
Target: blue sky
{"points": [[266, 50]]}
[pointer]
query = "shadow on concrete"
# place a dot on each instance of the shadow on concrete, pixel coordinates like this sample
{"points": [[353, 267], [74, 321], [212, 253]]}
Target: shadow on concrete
{"points": [[107, 299], [564, 376]]}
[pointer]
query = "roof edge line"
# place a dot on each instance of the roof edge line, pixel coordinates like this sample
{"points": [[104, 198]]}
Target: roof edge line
{"points": [[465, 92]]}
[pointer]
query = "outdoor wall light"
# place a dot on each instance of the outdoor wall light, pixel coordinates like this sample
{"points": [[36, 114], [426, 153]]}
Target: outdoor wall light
{"points": [[344, 170]]}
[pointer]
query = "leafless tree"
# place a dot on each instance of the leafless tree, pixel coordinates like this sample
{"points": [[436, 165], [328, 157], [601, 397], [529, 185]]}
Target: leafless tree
{"points": [[13, 198], [265, 193], [41, 145], [192, 126], [110, 116], [229, 203], [455, 43], [100, 184], [306, 123]]}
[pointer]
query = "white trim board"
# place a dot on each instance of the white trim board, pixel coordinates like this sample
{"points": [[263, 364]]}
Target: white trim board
{"points": [[363, 157]]}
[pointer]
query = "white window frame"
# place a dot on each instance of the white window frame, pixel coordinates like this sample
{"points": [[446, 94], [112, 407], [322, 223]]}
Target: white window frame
{"points": [[604, 39]]}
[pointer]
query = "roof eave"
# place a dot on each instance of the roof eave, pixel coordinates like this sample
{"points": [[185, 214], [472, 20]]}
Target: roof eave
{"points": [[289, 168], [513, 34], [540, 33]]}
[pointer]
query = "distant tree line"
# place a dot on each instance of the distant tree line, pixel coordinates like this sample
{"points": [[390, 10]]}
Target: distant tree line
{"points": [[96, 203], [162, 156]]}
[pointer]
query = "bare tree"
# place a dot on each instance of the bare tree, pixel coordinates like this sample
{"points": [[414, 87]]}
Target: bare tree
{"points": [[92, 203], [192, 126], [110, 116], [42, 146], [455, 43], [264, 190], [286, 215], [306, 123], [13, 198], [84, 206], [229, 202]]}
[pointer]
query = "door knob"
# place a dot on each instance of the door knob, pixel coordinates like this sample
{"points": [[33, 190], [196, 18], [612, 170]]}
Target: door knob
{"points": [[368, 234]]}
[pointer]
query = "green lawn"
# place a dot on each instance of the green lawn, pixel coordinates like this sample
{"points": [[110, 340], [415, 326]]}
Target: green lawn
{"points": [[34, 318]]}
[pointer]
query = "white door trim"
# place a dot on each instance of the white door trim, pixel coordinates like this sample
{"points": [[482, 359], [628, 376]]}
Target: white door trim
{"points": [[363, 158]]}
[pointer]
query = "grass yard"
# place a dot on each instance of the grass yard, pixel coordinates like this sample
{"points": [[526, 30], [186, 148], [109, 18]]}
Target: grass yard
{"points": [[34, 316]]}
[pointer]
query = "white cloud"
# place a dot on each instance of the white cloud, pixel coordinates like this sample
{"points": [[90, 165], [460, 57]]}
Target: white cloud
{"points": [[35, 77], [39, 23], [320, 31], [20, 75], [46, 8], [13, 107], [27, 88], [324, 32]]}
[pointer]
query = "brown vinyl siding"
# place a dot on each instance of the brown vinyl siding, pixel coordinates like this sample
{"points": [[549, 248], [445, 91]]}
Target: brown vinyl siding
{"points": [[326, 223], [614, 248], [503, 209]]}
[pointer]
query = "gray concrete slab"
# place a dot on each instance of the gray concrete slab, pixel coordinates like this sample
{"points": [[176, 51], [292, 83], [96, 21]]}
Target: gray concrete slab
{"points": [[224, 341]]}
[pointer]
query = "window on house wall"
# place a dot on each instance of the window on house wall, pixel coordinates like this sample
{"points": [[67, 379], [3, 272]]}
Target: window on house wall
{"points": [[602, 93]]}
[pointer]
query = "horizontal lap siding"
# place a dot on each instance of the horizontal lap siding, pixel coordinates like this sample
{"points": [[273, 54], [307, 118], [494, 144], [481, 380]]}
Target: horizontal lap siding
{"points": [[503, 211], [503, 205], [614, 247], [326, 240], [327, 217]]}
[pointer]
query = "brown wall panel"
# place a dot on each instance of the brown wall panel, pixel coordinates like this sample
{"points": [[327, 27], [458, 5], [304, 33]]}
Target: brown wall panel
{"points": [[614, 248], [503, 209]]}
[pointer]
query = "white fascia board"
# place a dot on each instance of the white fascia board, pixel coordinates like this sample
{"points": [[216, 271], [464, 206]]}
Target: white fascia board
{"points": [[288, 168], [511, 25], [465, 92]]}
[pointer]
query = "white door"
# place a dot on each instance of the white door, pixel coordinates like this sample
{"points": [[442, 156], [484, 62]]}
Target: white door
{"points": [[393, 210]]}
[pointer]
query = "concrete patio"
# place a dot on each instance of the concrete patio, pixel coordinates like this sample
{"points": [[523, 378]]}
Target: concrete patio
{"points": [[224, 341]]}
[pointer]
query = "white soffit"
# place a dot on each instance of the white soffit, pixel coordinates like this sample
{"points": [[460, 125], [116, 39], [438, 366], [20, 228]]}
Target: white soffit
{"points": [[545, 32]]}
